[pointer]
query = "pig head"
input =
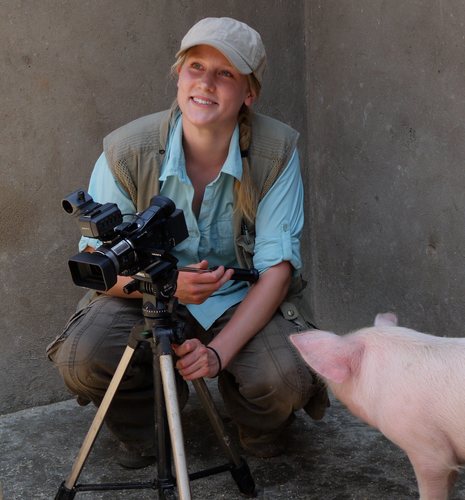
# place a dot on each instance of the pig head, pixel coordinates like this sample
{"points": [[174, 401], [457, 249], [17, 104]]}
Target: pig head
{"points": [[407, 384]]}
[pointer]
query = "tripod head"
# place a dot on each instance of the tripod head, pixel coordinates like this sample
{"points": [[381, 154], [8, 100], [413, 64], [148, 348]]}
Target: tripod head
{"points": [[157, 283], [158, 279]]}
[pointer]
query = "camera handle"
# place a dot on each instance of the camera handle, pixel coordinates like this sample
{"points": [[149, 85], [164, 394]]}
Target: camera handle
{"points": [[159, 330]]}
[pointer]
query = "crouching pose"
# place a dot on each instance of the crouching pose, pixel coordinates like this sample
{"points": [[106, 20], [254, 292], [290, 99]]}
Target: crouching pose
{"points": [[236, 176]]}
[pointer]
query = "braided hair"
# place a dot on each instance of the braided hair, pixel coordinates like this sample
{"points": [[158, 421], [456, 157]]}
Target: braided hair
{"points": [[246, 195]]}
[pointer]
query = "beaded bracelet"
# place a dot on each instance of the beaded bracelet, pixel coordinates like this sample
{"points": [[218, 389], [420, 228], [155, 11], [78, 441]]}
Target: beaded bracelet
{"points": [[220, 365]]}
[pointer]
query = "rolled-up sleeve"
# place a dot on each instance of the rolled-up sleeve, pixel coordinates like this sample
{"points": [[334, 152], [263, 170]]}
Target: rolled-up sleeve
{"points": [[279, 221]]}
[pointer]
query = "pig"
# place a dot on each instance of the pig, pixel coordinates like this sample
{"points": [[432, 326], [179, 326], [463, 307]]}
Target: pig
{"points": [[408, 385]]}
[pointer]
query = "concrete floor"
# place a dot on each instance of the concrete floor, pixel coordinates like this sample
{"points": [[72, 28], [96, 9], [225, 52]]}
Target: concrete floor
{"points": [[334, 459]]}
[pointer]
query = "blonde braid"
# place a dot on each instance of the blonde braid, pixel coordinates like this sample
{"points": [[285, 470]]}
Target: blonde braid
{"points": [[245, 191]]}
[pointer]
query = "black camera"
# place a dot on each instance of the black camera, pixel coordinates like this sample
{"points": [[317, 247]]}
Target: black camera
{"points": [[127, 247]]}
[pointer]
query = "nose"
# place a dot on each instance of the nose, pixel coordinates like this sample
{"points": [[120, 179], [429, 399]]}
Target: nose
{"points": [[208, 81]]}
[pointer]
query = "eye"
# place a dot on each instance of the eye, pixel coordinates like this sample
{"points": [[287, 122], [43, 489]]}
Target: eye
{"points": [[196, 65], [226, 73]]}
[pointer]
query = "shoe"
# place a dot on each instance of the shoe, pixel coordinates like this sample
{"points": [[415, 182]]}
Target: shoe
{"points": [[82, 401], [318, 402], [261, 446], [132, 458], [264, 445]]}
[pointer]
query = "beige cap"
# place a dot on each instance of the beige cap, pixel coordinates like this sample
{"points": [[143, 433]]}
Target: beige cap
{"points": [[237, 41]]}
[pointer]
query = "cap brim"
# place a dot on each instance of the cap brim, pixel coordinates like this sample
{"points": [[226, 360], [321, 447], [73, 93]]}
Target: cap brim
{"points": [[231, 55]]}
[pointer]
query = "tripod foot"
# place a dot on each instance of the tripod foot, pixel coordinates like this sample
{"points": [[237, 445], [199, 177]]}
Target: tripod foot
{"points": [[65, 493], [244, 480]]}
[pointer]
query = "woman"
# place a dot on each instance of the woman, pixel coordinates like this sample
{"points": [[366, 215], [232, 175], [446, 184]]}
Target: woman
{"points": [[236, 176]]}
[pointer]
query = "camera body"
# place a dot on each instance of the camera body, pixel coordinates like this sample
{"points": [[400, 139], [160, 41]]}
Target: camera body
{"points": [[95, 220], [127, 247]]}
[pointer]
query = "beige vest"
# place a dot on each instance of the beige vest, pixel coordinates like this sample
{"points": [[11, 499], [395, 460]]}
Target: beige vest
{"points": [[135, 154]]}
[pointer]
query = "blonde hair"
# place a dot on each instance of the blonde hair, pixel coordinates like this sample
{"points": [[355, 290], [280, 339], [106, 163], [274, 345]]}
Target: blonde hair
{"points": [[245, 191]]}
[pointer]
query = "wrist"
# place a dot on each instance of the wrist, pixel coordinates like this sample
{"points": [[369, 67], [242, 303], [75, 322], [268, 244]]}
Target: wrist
{"points": [[218, 359]]}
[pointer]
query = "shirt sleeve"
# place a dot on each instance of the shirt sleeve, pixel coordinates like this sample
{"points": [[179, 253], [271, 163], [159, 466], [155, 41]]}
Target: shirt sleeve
{"points": [[104, 188], [279, 220]]}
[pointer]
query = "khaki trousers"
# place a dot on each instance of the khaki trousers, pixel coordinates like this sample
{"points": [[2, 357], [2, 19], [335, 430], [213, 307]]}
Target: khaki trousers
{"points": [[263, 385]]}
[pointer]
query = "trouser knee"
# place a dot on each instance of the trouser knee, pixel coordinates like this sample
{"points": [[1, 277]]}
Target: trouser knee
{"points": [[267, 380], [92, 343]]}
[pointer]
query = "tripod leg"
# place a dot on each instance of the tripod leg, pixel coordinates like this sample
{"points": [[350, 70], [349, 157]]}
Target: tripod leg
{"points": [[215, 420], [240, 471], [174, 423], [96, 423]]}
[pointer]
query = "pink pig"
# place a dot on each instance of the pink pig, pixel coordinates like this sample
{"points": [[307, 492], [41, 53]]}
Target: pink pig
{"points": [[407, 384]]}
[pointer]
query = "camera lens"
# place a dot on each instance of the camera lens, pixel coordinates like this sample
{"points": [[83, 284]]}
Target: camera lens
{"points": [[67, 206], [93, 270]]}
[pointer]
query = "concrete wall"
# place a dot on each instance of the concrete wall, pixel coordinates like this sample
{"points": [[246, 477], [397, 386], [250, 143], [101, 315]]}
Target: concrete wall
{"points": [[375, 87], [72, 71], [386, 114]]}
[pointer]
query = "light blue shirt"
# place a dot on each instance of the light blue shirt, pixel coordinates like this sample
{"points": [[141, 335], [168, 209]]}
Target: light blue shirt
{"points": [[279, 218]]}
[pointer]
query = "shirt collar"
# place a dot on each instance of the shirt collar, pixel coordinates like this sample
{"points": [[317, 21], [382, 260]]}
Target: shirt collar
{"points": [[175, 163], [233, 163]]}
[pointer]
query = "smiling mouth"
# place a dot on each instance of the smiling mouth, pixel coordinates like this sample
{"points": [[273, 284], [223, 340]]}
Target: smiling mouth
{"points": [[199, 100]]}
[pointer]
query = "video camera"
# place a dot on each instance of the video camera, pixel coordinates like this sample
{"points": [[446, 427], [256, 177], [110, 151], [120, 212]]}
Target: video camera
{"points": [[127, 247]]}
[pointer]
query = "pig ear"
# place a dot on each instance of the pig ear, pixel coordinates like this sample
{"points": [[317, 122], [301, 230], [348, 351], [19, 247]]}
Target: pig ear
{"points": [[386, 319], [331, 356]]}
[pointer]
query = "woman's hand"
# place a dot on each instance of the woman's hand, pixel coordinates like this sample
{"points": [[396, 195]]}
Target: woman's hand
{"points": [[251, 315], [195, 288], [195, 360]]}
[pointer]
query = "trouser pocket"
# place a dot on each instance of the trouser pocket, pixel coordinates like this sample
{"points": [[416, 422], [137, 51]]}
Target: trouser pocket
{"points": [[53, 347]]}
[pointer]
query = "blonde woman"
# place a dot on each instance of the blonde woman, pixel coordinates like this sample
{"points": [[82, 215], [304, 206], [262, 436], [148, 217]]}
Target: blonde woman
{"points": [[236, 176]]}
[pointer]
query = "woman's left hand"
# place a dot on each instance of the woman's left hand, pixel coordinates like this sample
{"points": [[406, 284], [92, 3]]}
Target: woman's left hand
{"points": [[195, 360]]}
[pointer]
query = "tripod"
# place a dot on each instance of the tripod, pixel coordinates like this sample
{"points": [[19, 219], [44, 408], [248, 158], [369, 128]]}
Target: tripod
{"points": [[157, 283]]}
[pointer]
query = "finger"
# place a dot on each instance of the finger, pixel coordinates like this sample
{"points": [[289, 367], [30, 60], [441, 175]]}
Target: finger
{"points": [[194, 371], [186, 347], [227, 275], [203, 264], [210, 283], [209, 278], [191, 367], [220, 273]]}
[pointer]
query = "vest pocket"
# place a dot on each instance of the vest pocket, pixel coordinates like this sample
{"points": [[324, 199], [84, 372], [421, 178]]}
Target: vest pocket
{"points": [[245, 245]]}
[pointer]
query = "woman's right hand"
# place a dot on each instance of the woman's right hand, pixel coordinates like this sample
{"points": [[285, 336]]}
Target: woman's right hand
{"points": [[195, 288]]}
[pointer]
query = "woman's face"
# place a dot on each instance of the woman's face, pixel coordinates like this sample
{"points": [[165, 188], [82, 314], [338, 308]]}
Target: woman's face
{"points": [[210, 89]]}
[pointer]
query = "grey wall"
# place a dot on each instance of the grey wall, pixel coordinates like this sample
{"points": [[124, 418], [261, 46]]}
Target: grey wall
{"points": [[72, 71], [375, 87], [386, 114]]}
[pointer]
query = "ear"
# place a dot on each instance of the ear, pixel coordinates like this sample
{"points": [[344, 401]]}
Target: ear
{"points": [[250, 98], [178, 72], [335, 358], [386, 319]]}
